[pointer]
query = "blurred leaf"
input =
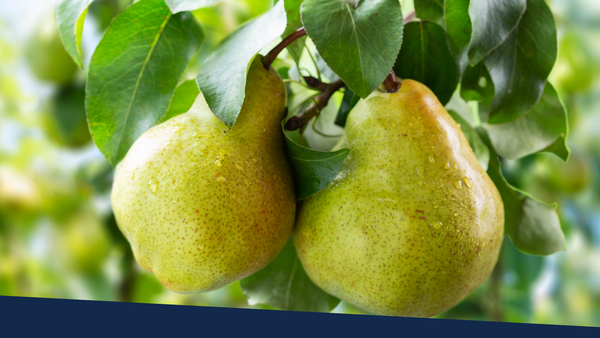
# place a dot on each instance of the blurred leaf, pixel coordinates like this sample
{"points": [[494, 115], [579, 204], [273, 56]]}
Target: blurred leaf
{"points": [[479, 148], [458, 30], [294, 22], [284, 284], [65, 120], [430, 10], [476, 83], [134, 72], [425, 57], [313, 170], [520, 66], [348, 102], [492, 21], [323, 67], [523, 269], [70, 16], [222, 79], [183, 99], [177, 6], [533, 226], [359, 44], [544, 127]]}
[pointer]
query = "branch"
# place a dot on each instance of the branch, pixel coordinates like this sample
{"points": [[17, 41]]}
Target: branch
{"points": [[391, 83], [268, 60], [320, 102]]}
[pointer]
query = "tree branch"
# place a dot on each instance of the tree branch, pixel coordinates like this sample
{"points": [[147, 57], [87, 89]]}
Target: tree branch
{"points": [[320, 102], [268, 60]]}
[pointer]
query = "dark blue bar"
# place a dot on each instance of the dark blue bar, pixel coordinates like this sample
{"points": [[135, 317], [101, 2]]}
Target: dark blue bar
{"points": [[27, 316]]}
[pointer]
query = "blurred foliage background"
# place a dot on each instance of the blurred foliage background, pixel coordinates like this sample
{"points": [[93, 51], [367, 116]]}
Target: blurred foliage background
{"points": [[59, 239]]}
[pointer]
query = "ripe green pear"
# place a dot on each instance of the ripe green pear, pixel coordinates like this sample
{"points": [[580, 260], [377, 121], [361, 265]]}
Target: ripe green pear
{"points": [[203, 205], [412, 223]]}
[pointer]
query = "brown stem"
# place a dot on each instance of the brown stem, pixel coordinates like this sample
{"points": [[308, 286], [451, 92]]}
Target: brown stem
{"points": [[410, 17], [391, 83], [320, 102], [268, 60], [315, 83]]}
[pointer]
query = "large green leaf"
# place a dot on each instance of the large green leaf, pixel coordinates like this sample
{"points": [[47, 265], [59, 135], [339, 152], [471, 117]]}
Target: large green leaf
{"points": [[177, 6], [541, 127], [479, 148], [533, 226], [493, 21], [184, 97], [359, 44], [431, 10], [313, 170], [425, 57], [458, 30], [520, 66], [134, 72], [476, 83], [222, 79], [284, 284], [70, 15]]}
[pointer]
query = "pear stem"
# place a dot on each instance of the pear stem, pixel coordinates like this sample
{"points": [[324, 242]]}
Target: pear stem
{"points": [[319, 102], [391, 83], [268, 60]]}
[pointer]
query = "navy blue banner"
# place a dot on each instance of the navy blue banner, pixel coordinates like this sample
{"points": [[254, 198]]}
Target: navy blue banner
{"points": [[27, 316]]}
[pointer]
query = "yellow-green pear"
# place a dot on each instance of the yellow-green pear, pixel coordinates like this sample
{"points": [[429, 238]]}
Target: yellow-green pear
{"points": [[203, 205], [46, 54], [412, 223]]}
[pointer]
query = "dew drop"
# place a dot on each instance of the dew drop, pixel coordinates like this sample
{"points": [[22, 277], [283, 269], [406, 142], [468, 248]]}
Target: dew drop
{"points": [[431, 159], [468, 182], [455, 166], [200, 246], [447, 165], [458, 184], [239, 167], [437, 225], [152, 184]]}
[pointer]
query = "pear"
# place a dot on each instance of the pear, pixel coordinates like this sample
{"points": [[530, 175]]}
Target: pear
{"points": [[412, 223], [46, 55], [203, 205]]}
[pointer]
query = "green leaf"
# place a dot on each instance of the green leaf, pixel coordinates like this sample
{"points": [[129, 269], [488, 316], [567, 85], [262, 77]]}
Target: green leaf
{"points": [[430, 10], [492, 21], [222, 79], [312, 170], [479, 148], [523, 268], [349, 100], [533, 226], [425, 57], [294, 22], [458, 30], [134, 72], [542, 127], [183, 99], [476, 83], [177, 6], [323, 67], [520, 66], [284, 284], [359, 44], [70, 15]]}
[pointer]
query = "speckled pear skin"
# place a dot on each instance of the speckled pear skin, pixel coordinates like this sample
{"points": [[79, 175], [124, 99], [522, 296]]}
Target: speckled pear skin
{"points": [[203, 205], [412, 224]]}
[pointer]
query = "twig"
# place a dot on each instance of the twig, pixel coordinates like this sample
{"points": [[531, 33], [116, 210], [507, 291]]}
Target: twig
{"points": [[268, 60], [320, 102], [410, 17], [391, 83]]}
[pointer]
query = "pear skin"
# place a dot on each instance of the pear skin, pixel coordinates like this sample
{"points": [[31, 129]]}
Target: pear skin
{"points": [[203, 205], [412, 224]]}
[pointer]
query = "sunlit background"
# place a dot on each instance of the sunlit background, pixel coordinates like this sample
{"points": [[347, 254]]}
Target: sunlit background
{"points": [[59, 239]]}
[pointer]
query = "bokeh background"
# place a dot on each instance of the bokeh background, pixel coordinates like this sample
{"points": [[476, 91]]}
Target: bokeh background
{"points": [[59, 239]]}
